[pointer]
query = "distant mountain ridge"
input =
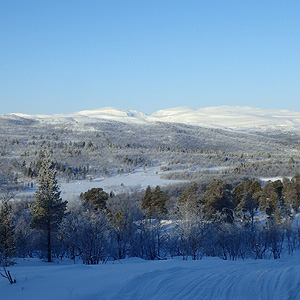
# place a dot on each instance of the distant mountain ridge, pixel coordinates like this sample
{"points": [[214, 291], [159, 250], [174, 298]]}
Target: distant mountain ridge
{"points": [[237, 118]]}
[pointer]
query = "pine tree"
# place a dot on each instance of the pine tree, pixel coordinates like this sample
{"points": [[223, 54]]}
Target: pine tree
{"points": [[190, 196], [244, 198], [7, 235], [48, 209], [291, 193], [271, 199], [95, 199], [159, 200], [147, 199], [218, 198], [154, 203]]}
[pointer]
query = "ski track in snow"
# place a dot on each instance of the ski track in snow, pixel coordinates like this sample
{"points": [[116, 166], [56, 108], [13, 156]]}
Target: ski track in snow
{"points": [[222, 284], [172, 279]]}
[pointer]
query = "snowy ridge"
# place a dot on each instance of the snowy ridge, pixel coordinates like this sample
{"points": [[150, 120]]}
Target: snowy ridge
{"points": [[239, 118]]}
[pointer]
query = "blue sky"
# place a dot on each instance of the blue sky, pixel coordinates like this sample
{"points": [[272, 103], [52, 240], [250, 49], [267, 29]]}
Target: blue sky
{"points": [[66, 56]]}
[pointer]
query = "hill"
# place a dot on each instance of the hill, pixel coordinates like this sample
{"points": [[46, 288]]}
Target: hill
{"points": [[223, 117], [180, 143]]}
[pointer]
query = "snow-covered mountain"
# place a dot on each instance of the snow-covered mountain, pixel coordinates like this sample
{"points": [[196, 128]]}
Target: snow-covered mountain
{"points": [[239, 118]]}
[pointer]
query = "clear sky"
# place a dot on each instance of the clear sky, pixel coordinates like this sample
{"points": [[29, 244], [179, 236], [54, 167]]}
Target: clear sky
{"points": [[63, 56]]}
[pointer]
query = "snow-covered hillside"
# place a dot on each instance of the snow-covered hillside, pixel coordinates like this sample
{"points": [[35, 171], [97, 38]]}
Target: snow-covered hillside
{"points": [[209, 278], [225, 117]]}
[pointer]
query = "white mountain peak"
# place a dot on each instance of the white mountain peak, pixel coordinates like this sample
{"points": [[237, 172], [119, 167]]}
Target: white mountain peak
{"points": [[226, 117]]}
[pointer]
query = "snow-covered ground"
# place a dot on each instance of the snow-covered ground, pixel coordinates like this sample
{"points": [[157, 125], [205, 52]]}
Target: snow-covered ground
{"points": [[138, 179], [127, 182], [209, 278]]}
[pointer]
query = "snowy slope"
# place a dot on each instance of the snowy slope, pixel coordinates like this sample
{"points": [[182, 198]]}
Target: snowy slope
{"points": [[232, 117], [90, 116], [225, 117], [209, 278]]}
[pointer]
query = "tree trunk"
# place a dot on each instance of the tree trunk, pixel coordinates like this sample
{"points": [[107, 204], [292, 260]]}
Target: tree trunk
{"points": [[49, 245]]}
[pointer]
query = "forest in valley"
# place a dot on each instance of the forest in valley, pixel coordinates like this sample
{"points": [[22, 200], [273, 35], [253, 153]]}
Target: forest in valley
{"points": [[222, 206]]}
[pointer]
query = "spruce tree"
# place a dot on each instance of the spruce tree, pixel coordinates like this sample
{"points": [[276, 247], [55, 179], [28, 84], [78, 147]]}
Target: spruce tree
{"points": [[7, 235], [49, 208]]}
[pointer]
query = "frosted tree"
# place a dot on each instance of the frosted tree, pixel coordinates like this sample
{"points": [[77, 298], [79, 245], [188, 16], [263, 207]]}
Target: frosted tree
{"points": [[49, 209], [191, 228], [7, 240]]}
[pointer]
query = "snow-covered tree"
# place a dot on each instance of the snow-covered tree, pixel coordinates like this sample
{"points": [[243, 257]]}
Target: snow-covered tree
{"points": [[94, 237], [191, 228], [48, 209]]}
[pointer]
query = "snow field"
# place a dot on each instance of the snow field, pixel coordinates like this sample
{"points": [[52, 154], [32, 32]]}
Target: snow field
{"points": [[138, 179], [209, 278]]}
